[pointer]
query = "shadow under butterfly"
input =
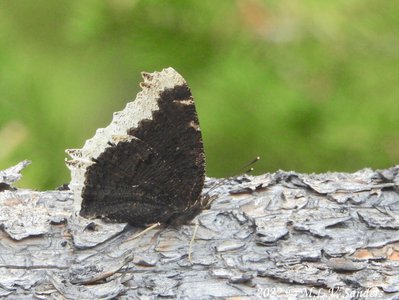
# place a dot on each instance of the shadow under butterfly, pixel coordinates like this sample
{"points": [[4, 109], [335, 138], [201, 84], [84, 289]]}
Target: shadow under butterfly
{"points": [[148, 165]]}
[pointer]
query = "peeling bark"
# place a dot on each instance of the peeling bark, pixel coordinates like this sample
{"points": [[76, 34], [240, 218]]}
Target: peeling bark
{"points": [[274, 235]]}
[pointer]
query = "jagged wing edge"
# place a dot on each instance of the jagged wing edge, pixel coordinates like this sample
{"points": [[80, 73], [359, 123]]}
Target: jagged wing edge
{"points": [[141, 108]]}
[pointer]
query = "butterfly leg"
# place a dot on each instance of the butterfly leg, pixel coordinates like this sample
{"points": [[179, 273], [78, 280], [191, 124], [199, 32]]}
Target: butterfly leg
{"points": [[155, 225], [190, 247]]}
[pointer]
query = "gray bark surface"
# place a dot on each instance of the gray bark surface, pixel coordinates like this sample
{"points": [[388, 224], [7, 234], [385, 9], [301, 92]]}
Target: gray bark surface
{"points": [[291, 235]]}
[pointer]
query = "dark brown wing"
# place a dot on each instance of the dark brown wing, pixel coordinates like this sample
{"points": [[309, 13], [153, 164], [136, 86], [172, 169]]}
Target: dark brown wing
{"points": [[156, 175]]}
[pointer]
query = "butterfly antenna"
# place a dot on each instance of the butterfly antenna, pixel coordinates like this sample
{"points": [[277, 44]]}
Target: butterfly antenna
{"points": [[252, 162], [236, 173]]}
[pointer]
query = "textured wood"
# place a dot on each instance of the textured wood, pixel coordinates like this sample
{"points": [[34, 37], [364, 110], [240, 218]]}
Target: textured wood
{"points": [[274, 235]]}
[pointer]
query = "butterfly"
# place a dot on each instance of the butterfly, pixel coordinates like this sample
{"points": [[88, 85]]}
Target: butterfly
{"points": [[148, 165]]}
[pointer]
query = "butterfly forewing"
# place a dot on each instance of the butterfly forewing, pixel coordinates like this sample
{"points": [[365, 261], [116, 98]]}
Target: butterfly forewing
{"points": [[156, 174]]}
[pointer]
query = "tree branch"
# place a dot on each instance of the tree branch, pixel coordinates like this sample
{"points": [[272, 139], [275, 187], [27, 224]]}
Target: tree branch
{"points": [[282, 234]]}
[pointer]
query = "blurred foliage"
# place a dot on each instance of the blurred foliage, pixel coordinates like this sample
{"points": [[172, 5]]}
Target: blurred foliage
{"points": [[307, 85]]}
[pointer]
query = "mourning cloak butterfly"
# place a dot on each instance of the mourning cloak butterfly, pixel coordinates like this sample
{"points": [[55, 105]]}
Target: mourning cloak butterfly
{"points": [[148, 165]]}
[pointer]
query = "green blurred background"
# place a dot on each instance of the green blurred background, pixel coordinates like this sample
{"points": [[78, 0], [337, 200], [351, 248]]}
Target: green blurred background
{"points": [[310, 85]]}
